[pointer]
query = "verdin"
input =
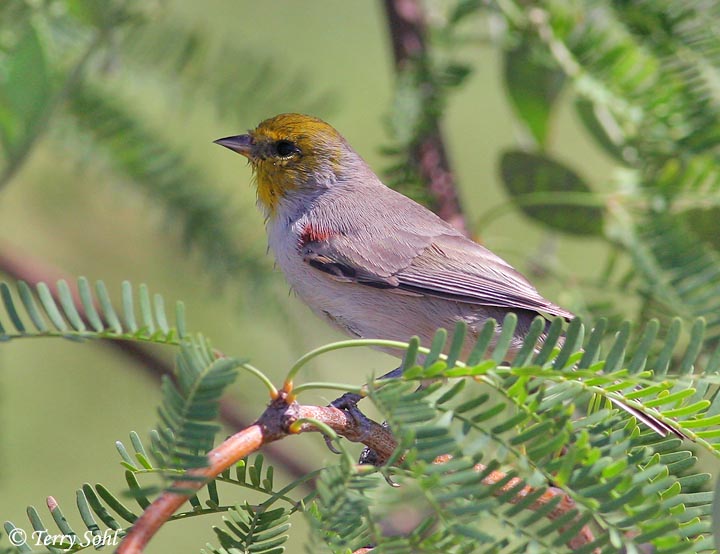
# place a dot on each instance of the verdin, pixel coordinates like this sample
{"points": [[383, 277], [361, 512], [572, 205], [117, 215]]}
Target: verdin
{"points": [[365, 258], [370, 261]]}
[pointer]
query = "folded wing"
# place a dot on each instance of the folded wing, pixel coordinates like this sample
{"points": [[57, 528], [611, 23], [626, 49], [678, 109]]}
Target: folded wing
{"points": [[447, 266]]}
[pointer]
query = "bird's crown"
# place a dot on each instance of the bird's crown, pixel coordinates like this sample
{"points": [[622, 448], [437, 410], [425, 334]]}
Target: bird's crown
{"points": [[305, 130]]}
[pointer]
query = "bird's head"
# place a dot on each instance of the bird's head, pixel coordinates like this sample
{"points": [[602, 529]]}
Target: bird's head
{"points": [[291, 154]]}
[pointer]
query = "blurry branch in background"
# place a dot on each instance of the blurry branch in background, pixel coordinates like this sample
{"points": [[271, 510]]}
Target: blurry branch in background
{"points": [[426, 149], [643, 78], [97, 123], [22, 267]]}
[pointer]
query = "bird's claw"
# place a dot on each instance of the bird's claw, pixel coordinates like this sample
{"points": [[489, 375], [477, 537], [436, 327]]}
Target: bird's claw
{"points": [[347, 403], [370, 457], [329, 444]]}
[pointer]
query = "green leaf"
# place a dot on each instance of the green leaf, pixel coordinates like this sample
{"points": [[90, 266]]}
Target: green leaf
{"points": [[24, 89], [716, 510], [533, 85], [601, 125], [679, 273], [551, 193]]}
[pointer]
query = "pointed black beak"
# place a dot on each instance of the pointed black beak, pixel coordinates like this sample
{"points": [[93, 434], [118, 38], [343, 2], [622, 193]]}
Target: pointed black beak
{"points": [[242, 144]]}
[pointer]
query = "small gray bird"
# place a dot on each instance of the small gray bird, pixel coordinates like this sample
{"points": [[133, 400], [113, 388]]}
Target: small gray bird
{"points": [[370, 261], [367, 259]]}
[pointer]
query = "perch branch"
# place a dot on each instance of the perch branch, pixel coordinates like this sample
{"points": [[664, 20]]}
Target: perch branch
{"points": [[273, 424], [278, 421]]}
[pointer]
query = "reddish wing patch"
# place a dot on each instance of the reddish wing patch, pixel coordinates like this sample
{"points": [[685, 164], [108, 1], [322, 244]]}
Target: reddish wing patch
{"points": [[313, 234]]}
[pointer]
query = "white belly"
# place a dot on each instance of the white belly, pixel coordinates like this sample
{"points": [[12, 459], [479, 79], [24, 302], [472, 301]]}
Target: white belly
{"points": [[325, 296]]}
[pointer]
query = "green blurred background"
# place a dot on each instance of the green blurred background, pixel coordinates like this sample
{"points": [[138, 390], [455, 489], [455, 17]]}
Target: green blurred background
{"points": [[66, 209]]}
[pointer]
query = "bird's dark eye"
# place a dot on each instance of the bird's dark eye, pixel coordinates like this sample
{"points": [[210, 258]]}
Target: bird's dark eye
{"points": [[285, 148]]}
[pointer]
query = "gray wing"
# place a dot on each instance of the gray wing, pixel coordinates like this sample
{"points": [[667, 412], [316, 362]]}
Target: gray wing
{"points": [[456, 268], [424, 257]]}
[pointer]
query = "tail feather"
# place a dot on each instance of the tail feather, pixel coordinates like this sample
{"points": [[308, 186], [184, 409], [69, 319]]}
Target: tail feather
{"points": [[660, 427]]}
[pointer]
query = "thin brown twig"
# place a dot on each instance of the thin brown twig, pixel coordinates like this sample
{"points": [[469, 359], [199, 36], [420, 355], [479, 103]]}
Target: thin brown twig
{"points": [[275, 423], [407, 34], [282, 418], [21, 266]]}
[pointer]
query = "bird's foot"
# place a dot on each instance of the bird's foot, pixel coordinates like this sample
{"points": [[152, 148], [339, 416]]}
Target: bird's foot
{"points": [[348, 404], [370, 457]]}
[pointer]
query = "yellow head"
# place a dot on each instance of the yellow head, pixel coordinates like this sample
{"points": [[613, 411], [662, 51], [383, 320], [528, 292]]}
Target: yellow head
{"points": [[291, 153]]}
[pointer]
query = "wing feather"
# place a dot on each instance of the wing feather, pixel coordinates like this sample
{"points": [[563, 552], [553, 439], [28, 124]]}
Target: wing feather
{"points": [[394, 243], [456, 268], [450, 267]]}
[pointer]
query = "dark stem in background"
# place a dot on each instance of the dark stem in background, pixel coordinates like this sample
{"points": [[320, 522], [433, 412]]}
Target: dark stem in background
{"points": [[32, 271], [407, 33]]}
